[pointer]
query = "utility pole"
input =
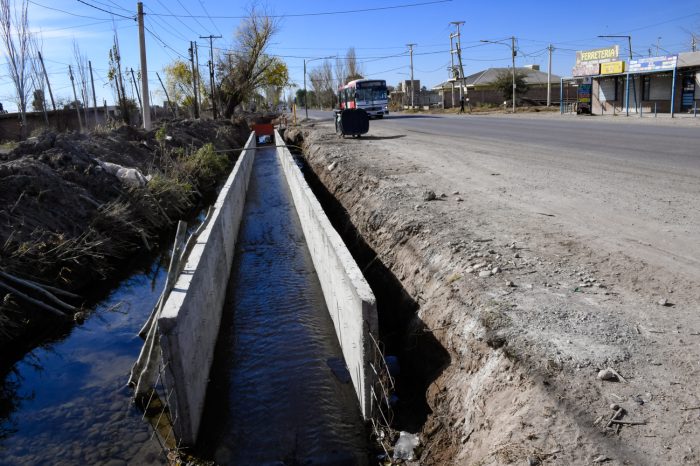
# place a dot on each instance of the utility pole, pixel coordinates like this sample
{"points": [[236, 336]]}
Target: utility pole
{"points": [[136, 88], [693, 43], [658, 39], [146, 107], [48, 84], [194, 80], [75, 97], [94, 96], [410, 48], [211, 70], [458, 51], [197, 77], [549, 76], [512, 53]]}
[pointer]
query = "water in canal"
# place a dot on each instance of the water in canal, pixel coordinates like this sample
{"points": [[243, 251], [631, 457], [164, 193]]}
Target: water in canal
{"points": [[279, 393], [66, 403]]}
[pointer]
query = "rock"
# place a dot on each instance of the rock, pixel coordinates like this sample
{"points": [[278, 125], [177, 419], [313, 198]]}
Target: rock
{"points": [[600, 459], [663, 302], [510, 283], [485, 273], [416, 207], [332, 166], [607, 374], [455, 192], [429, 195], [459, 199], [516, 255], [533, 461], [614, 406], [496, 270], [443, 195]]}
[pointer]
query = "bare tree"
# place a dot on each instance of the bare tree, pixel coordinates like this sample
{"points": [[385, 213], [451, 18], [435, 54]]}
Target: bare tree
{"points": [[81, 66], [353, 67], [341, 71], [321, 79], [16, 36]]}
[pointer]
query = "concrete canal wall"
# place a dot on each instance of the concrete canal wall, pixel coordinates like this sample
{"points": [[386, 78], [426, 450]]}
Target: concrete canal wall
{"points": [[189, 323], [349, 299]]}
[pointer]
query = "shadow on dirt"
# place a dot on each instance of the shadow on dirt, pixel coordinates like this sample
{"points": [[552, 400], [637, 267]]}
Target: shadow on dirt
{"points": [[421, 357]]}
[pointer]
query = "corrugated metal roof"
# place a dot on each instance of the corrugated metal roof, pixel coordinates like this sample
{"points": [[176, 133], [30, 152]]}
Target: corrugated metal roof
{"points": [[489, 75]]}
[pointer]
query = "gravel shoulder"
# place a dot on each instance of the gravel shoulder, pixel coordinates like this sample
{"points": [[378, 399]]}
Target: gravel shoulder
{"points": [[535, 273]]}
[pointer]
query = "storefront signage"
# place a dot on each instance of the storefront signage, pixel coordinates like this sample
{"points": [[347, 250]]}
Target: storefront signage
{"points": [[598, 55], [653, 64], [614, 67], [584, 93], [586, 69]]}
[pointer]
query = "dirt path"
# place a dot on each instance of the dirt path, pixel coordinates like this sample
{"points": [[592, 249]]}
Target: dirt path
{"points": [[536, 273]]}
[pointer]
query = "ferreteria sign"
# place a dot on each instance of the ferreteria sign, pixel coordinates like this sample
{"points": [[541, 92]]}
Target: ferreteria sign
{"points": [[598, 55]]}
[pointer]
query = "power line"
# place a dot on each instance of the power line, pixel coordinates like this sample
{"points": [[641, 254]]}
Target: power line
{"points": [[190, 15], [106, 11], [326, 13], [165, 44], [209, 16], [66, 12]]}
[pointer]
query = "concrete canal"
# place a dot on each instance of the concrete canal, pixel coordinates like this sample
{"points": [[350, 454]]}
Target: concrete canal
{"points": [[279, 391]]}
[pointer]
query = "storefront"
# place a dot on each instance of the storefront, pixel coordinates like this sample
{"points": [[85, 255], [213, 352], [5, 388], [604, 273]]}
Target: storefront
{"points": [[664, 84]]}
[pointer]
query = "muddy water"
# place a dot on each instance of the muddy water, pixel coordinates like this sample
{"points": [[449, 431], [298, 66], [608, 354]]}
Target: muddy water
{"points": [[279, 392], [67, 400]]}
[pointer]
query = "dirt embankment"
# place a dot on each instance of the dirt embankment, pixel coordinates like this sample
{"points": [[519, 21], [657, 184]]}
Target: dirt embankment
{"points": [[529, 315], [75, 207]]}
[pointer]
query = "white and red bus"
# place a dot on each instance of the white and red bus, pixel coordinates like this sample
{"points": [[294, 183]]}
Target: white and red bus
{"points": [[367, 94]]}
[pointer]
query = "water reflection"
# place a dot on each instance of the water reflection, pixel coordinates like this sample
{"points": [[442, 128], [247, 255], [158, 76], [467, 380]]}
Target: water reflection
{"points": [[67, 401]]}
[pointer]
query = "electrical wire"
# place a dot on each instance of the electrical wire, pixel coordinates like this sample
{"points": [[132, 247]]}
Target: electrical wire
{"points": [[327, 13], [106, 11], [66, 12]]}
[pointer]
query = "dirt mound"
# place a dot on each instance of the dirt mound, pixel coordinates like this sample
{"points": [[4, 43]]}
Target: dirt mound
{"points": [[75, 206]]}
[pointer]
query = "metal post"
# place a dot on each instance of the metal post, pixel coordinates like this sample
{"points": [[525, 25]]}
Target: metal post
{"points": [[627, 94], [673, 89], [146, 107], [561, 96], [211, 71], [695, 108], [136, 88], [655, 110], [167, 97]]}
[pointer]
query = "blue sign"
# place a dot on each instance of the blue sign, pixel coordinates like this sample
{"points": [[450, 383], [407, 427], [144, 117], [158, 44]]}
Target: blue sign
{"points": [[653, 64]]}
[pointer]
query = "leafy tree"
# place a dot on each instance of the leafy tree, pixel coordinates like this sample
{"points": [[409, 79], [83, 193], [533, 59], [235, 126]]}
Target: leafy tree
{"points": [[178, 80], [504, 84], [301, 97], [248, 68]]}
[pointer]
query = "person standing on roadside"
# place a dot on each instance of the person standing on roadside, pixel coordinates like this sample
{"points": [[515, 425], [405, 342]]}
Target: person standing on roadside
{"points": [[461, 104]]}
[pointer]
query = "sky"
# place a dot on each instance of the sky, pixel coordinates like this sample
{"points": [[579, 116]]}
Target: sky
{"points": [[378, 30]]}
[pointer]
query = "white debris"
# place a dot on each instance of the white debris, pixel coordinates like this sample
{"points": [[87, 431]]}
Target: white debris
{"points": [[403, 450], [129, 176]]}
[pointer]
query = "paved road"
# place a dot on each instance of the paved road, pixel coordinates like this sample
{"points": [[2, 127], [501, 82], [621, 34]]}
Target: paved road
{"points": [[622, 184]]}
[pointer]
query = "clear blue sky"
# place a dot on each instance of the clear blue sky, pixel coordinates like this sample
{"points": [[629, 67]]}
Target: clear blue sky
{"points": [[379, 36]]}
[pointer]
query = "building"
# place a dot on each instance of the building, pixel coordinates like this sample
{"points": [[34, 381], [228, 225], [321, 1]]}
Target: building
{"points": [[480, 87], [662, 84]]}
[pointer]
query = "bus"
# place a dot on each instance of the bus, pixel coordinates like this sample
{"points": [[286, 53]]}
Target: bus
{"points": [[367, 94]]}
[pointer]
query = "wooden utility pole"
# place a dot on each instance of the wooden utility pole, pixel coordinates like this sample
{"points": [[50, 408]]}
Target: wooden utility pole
{"points": [[196, 77], [146, 107], [211, 71], [194, 80], [94, 96], [458, 51], [75, 97], [48, 84]]}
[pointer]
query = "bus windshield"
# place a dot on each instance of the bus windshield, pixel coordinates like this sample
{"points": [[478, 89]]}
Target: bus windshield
{"points": [[372, 93]]}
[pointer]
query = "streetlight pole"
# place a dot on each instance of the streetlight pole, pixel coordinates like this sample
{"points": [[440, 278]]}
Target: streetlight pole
{"points": [[512, 55], [410, 48], [627, 90], [306, 97]]}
